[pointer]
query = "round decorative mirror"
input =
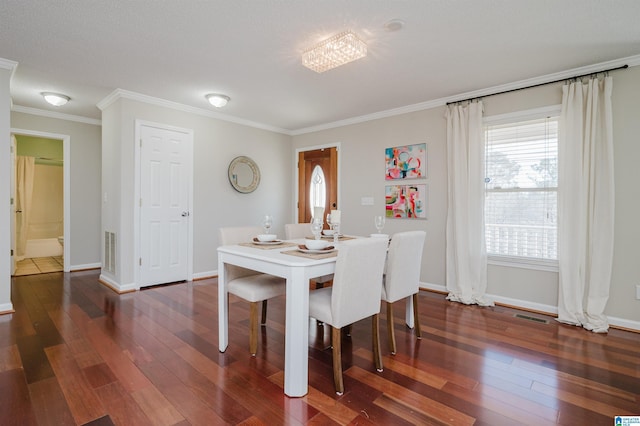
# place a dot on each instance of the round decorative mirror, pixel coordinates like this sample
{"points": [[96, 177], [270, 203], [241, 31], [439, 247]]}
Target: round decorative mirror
{"points": [[244, 174]]}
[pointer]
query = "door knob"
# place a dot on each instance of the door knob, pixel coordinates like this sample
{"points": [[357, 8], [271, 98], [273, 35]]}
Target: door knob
{"points": [[185, 214]]}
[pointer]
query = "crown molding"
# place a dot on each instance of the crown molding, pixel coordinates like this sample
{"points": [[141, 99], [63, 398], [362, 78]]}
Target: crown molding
{"points": [[632, 61], [9, 65], [126, 94], [57, 115]]}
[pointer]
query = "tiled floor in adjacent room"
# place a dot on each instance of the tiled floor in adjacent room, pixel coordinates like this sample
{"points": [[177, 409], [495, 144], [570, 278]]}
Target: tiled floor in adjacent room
{"points": [[39, 265]]}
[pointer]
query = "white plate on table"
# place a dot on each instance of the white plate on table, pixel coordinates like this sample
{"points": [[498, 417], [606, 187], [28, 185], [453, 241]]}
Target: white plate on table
{"points": [[303, 249], [266, 243]]}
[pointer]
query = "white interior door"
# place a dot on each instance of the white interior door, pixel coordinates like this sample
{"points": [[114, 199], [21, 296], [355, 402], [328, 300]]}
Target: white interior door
{"points": [[165, 167]]}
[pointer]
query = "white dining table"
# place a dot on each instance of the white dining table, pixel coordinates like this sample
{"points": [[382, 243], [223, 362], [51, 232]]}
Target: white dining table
{"points": [[297, 271]]}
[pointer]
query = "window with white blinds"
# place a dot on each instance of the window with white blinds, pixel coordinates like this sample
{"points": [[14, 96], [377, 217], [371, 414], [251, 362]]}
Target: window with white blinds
{"points": [[521, 183]]}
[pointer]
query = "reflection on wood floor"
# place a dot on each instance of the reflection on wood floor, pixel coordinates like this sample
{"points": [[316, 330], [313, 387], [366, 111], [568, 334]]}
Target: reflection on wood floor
{"points": [[75, 352], [39, 265]]}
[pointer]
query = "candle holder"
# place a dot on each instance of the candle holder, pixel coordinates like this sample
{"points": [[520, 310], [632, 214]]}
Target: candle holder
{"points": [[336, 232], [316, 227]]}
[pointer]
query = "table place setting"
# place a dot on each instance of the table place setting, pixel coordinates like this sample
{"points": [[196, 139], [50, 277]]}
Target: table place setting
{"points": [[314, 249], [267, 241]]}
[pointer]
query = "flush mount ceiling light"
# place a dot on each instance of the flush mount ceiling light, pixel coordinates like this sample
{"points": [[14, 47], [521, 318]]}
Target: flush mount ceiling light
{"points": [[55, 99], [333, 52], [394, 25], [217, 100]]}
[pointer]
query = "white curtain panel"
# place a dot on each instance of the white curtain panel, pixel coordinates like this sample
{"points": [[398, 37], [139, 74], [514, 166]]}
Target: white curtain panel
{"points": [[466, 270], [25, 172], [585, 203]]}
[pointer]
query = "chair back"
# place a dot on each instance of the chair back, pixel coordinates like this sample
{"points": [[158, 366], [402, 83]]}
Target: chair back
{"points": [[357, 280], [294, 231], [235, 235], [403, 265], [238, 234]]}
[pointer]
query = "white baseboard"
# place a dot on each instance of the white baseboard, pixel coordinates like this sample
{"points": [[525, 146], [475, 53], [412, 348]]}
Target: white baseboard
{"points": [[120, 288], [434, 287], [538, 307], [6, 308], [73, 268], [624, 323], [202, 275], [525, 304]]}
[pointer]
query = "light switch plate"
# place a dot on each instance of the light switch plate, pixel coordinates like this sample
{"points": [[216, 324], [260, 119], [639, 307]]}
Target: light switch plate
{"points": [[638, 292], [366, 201]]}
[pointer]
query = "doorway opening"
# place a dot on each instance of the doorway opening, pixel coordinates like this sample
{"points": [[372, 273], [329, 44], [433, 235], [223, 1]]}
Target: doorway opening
{"points": [[40, 212], [317, 181]]}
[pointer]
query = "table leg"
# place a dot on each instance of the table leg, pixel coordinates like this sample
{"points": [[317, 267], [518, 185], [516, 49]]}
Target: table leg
{"points": [[409, 312], [223, 308], [296, 351]]}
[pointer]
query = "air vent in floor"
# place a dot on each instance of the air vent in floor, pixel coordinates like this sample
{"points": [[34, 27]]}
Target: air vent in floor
{"points": [[530, 318]]}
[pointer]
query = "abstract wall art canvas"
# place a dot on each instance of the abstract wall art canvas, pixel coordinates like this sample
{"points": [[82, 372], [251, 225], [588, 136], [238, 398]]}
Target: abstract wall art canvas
{"points": [[406, 162], [406, 201]]}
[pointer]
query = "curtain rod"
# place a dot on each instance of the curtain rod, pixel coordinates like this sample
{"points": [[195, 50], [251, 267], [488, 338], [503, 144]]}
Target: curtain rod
{"points": [[625, 66], [48, 159]]}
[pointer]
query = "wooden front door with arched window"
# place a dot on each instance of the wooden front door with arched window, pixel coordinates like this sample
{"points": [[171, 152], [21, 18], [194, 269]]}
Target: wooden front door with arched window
{"points": [[317, 182]]}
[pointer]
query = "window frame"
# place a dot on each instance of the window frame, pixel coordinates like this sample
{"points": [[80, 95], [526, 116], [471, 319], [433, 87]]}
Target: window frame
{"points": [[515, 117]]}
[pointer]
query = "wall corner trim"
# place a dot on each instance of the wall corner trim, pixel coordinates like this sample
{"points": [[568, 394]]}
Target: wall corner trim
{"points": [[118, 288]]}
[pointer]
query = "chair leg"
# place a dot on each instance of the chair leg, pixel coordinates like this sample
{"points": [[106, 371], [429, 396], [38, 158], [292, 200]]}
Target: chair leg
{"points": [[337, 361], [416, 319], [264, 312], [253, 328], [391, 329], [375, 331]]}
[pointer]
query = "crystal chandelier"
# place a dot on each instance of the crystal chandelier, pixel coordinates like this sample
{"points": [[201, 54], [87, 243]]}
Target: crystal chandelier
{"points": [[333, 52]]}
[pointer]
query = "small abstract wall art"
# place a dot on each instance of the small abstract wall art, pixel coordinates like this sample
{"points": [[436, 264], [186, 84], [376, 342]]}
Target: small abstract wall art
{"points": [[406, 162], [406, 201]]}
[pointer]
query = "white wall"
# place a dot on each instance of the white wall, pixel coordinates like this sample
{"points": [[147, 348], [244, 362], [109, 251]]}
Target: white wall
{"points": [[362, 174], [626, 132], [215, 202], [85, 163], [5, 185]]}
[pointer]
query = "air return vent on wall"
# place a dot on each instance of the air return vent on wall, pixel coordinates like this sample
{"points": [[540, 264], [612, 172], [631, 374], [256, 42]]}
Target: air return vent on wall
{"points": [[110, 252]]}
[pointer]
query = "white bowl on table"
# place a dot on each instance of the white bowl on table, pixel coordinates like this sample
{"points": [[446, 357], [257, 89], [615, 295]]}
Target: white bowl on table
{"points": [[316, 244], [328, 232], [266, 238]]}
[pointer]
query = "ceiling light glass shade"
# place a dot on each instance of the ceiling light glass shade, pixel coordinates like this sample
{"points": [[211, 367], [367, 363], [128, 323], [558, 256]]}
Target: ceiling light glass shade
{"points": [[218, 100], [335, 51], [55, 99]]}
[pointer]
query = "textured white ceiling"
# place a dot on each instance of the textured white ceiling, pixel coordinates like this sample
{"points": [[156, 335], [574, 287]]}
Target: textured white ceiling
{"points": [[179, 50]]}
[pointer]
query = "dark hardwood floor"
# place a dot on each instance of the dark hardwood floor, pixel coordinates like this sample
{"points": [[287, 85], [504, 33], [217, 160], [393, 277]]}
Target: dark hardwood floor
{"points": [[75, 352]]}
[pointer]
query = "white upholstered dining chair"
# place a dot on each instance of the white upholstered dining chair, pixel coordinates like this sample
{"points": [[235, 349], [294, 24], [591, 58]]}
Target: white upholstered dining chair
{"points": [[355, 295], [294, 231], [402, 278], [254, 287]]}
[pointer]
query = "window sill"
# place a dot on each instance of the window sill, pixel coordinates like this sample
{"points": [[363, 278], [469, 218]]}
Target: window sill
{"points": [[524, 262]]}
